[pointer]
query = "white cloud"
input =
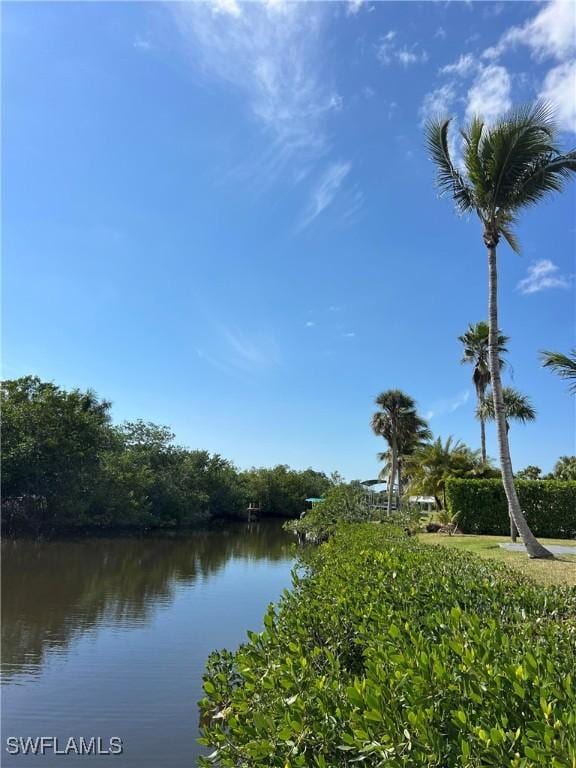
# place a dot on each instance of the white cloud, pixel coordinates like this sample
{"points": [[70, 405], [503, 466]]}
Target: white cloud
{"points": [[368, 92], [310, 324], [559, 89], [271, 53], [142, 44], [543, 274], [386, 46], [258, 350], [465, 66], [489, 96], [408, 56], [353, 6], [440, 32], [326, 190], [387, 52], [349, 335], [448, 405], [438, 103], [551, 33]]}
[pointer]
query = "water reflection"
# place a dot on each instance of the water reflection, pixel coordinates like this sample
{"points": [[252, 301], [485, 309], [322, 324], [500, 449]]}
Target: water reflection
{"points": [[56, 591]]}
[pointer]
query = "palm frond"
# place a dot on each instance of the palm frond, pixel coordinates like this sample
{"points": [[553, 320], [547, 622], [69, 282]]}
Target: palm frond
{"points": [[563, 365], [516, 406], [546, 173], [520, 136], [449, 179], [505, 220]]}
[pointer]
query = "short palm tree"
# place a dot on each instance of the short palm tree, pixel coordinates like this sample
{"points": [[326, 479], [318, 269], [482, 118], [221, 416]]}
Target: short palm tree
{"points": [[516, 406], [432, 464], [399, 424], [563, 365], [408, 443], [475, 343], [507, 167]]}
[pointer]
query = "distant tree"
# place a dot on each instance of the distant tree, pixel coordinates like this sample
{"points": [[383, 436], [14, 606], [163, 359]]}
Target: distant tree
{"points": [[475, 343], [400, 425], [432, 464], [52, 445], [565, 468], [563, 365], [531, 472], [508, 166]]}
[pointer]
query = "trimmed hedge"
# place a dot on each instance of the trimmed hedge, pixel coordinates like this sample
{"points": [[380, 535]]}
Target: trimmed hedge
{"points": [[549, 506], [387, 652]]}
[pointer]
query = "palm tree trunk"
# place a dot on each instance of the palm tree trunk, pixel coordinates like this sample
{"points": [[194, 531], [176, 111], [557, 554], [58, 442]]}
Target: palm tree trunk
{"points": [[399, 497], [533, 546], [483, 439], [393, 470]]}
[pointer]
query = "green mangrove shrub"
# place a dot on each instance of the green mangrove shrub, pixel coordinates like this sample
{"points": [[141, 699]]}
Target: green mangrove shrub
{"points": [[549, 506], [387, 652], [342, 503]]}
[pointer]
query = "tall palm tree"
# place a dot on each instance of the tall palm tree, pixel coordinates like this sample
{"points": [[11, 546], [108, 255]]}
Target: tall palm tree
{"points": [[563, 365], [507, 167], [399, 424], [516, 406], [475, 342]]}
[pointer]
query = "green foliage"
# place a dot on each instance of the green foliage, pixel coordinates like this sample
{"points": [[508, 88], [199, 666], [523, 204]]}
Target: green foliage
{"points": [[390, 653], [342, 503], [531, 472], [52, 443], [565, 468], [509, 165], [432, 464], [65, 466], [563, 365], [281, 491], [516, 406], [549, 506]]}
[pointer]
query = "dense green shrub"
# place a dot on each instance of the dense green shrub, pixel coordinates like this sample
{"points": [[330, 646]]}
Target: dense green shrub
{"points": [[549, 506], [342, 503], [387, 652]]}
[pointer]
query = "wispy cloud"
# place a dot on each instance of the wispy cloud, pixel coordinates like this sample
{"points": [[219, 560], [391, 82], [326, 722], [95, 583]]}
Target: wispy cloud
{"points": [[252, 351], [464, 66], [236, 352], [270, 52], [388, 52], [142, 44], [309, 324], [438, 103], [326, 189], [448, 405], [542, 275]]}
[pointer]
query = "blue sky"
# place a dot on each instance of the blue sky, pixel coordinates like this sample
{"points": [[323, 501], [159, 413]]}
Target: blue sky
{"points": [[222, 217]]}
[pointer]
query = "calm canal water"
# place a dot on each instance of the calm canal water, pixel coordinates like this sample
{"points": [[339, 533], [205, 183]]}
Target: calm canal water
{"points": [[109, 637]]}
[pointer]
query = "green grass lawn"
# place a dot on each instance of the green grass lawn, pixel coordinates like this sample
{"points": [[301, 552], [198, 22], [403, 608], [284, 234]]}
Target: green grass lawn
{"points": [[561, 570]]}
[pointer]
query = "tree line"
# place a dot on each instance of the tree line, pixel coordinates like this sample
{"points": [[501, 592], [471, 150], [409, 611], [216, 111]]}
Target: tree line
{"points": [[67, 466]]}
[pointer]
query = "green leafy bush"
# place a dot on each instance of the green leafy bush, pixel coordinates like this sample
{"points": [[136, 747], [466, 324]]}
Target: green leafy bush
{"points": [[387, 652], [549, 506], [342, 503]]}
